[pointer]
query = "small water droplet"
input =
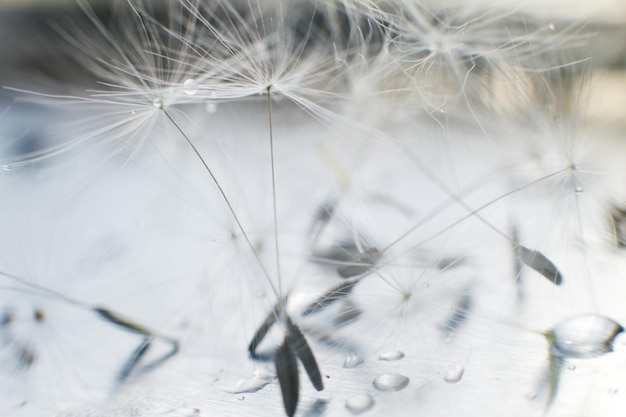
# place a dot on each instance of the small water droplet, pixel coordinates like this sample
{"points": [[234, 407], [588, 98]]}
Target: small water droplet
{"points": [[7, 167], [248, 385], [157, 102], [359, 403], [352, 361], [210, 107], [613, 391], [190, 87], [583, 336], [393, 355], [241, 397], [578, 189], [391, 382], [454, 374], [133, 112], [572, 367], [551, 26]]}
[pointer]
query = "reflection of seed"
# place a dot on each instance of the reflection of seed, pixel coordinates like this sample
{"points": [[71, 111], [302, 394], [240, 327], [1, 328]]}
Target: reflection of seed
{"points": [[359, 403], [391, 382], [583, 336], [27, 357], [459, 316], [7, 318]]}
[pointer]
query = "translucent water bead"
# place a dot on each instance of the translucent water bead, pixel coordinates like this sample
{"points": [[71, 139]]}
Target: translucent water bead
{"points": [[583, 336]]}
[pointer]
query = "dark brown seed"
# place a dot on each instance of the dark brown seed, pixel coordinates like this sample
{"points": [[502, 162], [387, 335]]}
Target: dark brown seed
{"points": [[123, 323], [287, 373], [134, 359], [267, 324], [39, 315], [538, 261], [298, 343]]}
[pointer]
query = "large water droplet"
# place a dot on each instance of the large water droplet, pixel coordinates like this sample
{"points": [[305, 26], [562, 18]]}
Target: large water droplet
{"points": [[391, 382], [578, 189], [352, 361], [454, 374], [157, 102], [359, 403], [583, 336], [551, 26], [393, 355], [190, 87]]}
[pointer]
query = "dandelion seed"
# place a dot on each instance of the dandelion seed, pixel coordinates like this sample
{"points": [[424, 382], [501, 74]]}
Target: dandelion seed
{"points": [[538, 261], [287, 373], [298, 343], [135, 357]]}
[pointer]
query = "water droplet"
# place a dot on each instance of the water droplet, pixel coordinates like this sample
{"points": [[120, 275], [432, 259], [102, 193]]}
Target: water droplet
{"points": [[359, 403], [352, 361], [572, 367], [393, 355], [157, 102], [578, 189], [391, 382], [551, 26], [241, 397], [190, 86], [583, 336], [248, 385], [210, 107], [454, 374], [7, 167], [133, 112]]}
